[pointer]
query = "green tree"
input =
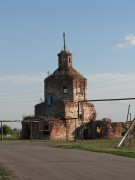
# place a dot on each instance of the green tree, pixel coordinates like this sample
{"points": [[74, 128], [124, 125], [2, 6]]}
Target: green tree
{"points": [[7, 129]]}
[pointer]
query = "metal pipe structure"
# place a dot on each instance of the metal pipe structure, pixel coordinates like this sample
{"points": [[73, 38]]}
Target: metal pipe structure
{"points": [[102, 100]]}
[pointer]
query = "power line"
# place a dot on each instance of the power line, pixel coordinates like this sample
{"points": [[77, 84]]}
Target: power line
{"points": [[112, 79], [107, 92], [22, 98], [20, 93], [31, 92], [17, 101], [113, 85]]}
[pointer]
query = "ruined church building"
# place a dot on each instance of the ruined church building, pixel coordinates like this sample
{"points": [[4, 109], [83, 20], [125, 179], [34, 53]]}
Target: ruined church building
{"points": [[57, 117]]}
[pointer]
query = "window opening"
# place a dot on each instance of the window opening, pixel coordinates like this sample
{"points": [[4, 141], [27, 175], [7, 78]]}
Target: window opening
{"points": [[80, 90], [64, 89], [46, 130], [80, 116], [49, 100]]}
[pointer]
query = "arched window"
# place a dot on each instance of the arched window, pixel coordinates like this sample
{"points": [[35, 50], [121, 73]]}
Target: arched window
{"points": [[65, 89], [80, 89]]}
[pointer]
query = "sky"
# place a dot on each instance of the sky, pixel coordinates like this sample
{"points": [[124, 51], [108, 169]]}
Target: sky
{"points": [[100, 35]]}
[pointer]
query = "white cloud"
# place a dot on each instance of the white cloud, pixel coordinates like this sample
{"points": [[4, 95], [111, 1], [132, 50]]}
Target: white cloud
{"points": [[129, 40], [22, 79]]}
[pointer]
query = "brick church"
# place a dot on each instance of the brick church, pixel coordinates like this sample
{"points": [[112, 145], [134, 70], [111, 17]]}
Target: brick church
{"points": [[65, 113], [57, 117]]}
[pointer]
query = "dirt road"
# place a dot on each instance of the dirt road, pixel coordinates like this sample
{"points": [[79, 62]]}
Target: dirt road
{"points": [[39, 161]]}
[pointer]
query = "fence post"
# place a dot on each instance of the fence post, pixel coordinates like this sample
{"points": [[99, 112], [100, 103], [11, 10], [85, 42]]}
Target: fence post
{"points": [[1, 132]]}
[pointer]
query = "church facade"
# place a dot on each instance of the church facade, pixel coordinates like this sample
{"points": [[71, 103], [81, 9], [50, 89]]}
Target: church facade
{"points": [[65, 111]]}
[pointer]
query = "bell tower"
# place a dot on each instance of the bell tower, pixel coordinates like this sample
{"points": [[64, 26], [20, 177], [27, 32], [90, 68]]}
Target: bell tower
{"points": [[65, 84], [64, 57]]}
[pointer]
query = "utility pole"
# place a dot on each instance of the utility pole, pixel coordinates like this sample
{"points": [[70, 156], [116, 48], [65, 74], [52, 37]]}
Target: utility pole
{"points": [[128, 113], [130, 117]]}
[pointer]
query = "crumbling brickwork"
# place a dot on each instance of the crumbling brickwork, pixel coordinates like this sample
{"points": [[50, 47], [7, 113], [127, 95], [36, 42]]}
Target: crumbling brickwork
{"points": [[65, 114], [106, 129], [60, 115]]}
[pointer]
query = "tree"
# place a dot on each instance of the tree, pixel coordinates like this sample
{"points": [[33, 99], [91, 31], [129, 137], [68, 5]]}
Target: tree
{"points": [[6, 129]]}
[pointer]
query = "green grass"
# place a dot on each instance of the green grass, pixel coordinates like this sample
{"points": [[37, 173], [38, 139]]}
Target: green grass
{"points": [[4, 174], [102, 146]]}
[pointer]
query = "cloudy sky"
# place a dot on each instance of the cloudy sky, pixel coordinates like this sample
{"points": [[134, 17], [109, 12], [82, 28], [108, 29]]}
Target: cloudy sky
{"points": [[100, 34]]}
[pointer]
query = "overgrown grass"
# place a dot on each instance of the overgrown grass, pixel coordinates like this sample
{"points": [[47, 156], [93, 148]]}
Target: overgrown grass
{"points": [[4, 174], [102, 146]]}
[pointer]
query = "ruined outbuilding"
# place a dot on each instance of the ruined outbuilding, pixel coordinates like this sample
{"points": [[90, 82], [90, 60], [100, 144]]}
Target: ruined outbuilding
{"points": [[57, 117]]}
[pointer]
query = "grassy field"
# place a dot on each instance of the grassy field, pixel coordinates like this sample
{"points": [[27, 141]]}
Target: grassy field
{"points": [[102, 146]]}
